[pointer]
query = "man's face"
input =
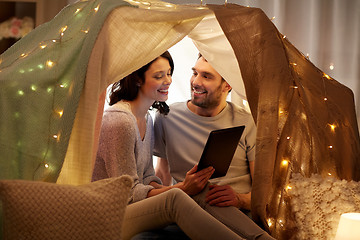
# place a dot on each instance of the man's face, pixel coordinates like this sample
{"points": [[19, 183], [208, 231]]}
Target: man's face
{"points": [[207, 86]]}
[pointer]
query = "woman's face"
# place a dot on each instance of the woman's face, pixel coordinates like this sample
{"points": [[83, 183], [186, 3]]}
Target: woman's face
{"points": [[157, 80]]}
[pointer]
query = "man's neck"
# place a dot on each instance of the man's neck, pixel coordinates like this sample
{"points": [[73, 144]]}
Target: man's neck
{"points": [[206, 112]]}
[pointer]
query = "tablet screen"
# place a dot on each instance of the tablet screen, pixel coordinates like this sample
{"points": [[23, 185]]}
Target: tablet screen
{"points": [[219, 150]]}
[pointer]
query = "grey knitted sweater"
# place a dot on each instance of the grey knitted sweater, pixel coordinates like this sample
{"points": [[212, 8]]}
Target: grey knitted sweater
{"points": [[122, 151]]}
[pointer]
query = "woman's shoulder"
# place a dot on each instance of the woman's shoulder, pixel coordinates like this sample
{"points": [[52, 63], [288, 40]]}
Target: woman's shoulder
{"points": [[119, 116]]}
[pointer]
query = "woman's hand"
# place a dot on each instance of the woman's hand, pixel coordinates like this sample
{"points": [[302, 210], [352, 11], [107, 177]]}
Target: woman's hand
{"points": [[196, 181]]}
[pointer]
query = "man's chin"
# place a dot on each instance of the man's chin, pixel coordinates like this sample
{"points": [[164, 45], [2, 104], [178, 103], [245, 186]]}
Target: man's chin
{"points": [[197, 103]]}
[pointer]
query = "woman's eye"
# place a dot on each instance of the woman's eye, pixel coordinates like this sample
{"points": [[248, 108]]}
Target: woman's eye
{"points": [[160, 76]]}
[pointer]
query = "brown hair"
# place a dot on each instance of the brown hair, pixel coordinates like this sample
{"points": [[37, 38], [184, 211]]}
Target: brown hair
{"points": [[128, 87]]}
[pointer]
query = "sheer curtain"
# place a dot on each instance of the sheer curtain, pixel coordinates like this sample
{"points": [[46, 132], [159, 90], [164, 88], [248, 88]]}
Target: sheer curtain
{"points": [[327, 31]]}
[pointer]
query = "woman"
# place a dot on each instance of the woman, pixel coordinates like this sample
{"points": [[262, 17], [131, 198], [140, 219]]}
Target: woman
{"points": [[125, 147]]}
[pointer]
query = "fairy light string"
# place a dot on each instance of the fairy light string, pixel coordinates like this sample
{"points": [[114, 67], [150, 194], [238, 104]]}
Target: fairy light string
{"points": [[285, 168], [49, 58]]}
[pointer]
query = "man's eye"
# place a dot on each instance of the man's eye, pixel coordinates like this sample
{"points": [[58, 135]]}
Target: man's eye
{"points": [[195, 74]]}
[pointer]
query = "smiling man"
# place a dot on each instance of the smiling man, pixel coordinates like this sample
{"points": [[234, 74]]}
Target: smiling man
{"points": [[181, 136]]}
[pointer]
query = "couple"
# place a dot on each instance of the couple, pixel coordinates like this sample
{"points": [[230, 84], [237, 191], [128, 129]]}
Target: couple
{"points": [[126, 147]]}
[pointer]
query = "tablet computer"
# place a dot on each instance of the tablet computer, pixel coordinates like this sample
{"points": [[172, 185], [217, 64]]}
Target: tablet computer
{"points": [[219, 150]]}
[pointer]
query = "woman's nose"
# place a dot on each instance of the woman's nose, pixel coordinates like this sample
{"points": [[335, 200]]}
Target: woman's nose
{"points": [[168, 80]]}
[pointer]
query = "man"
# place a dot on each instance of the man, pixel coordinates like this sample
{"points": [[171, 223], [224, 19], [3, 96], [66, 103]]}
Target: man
{"points": [[181, 136]]}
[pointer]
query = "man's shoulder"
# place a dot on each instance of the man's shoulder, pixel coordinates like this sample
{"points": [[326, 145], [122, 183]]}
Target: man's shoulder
{"points": [[237, 109]]}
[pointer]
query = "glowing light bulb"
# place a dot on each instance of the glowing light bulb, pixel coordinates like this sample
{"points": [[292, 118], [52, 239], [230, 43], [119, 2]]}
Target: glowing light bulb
{"points": [[77, 10], [60, 113], [33, 87], [281, 222], [269, 221], [285, 163], [43, 46], [331, 66], [294, 64], [307, 55], [284, 36], [96, 9], [85, 31], [21, 71], [272, 18], [46, 165], [329, 174], [325, 99], [49, 63], [49, 89], [40, 66], [288, 138], [23, 55], [327, 76], [63, 29], [55, 136], [288, 187], [20, 92], [295, 87], [330, 147], [332, 127]]}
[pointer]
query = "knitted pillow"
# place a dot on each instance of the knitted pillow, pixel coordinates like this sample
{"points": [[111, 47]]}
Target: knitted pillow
{"points": [[39, 210]]}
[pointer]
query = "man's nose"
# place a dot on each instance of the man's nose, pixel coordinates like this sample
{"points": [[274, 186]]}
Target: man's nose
{"points": [[196, 81]]}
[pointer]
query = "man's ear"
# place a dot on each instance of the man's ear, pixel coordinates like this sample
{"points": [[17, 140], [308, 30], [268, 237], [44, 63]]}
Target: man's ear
{"points": [[227, 87]]}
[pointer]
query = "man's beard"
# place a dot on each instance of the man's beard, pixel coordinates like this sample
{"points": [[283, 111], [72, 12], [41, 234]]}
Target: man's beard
{"points": [[212, 100]]}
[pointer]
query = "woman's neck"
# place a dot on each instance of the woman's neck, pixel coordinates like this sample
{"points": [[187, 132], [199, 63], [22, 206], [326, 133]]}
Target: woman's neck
{"points": [[139, 108]]}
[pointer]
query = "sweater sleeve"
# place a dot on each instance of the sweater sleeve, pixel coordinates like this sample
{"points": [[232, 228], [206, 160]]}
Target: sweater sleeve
{"points": [[116, 154], [250, 139], [149, 173]]}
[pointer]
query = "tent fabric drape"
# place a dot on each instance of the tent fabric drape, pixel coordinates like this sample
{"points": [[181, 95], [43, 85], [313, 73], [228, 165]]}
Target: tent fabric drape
{"points": [[120, 50], [41, 80], [306, 120], [53, 81]]}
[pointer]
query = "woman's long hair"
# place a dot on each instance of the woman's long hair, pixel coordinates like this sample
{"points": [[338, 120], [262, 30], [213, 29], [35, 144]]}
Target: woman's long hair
{"points": [[128, 87]]}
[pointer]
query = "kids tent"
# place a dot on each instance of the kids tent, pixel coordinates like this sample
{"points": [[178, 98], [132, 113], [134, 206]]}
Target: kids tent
{"points": [[53, 83]]}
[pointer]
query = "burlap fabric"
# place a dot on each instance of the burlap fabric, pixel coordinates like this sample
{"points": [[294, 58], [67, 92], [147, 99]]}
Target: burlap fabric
{"points": [[38, 210], [306, 120]]}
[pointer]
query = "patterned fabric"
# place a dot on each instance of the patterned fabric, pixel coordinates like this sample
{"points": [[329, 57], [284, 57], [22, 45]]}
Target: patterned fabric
{"points": [[318, 203], [39, 210]]}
